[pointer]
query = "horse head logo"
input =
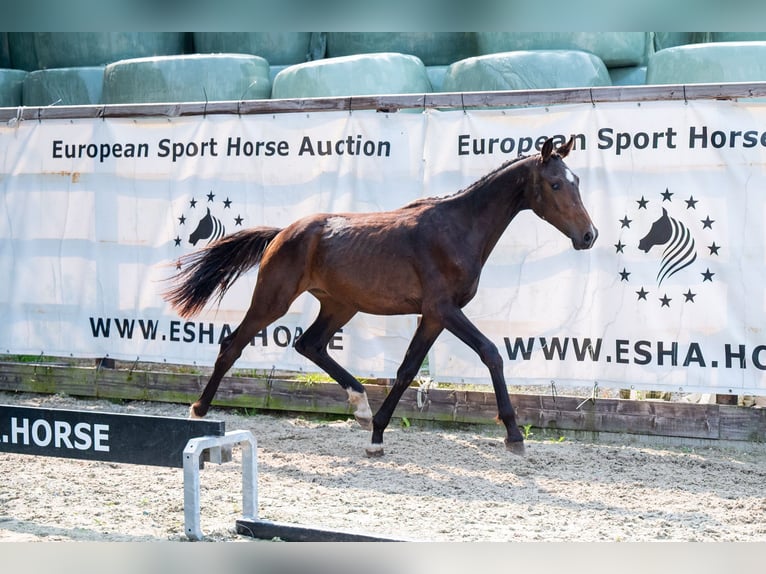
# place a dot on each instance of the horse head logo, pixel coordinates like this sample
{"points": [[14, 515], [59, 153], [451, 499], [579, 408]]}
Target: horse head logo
{"points": [[680, 251], [209, 227]]}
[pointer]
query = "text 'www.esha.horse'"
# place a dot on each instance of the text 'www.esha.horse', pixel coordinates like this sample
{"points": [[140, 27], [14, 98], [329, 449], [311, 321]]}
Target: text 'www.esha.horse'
{"points": [[424, 258]]}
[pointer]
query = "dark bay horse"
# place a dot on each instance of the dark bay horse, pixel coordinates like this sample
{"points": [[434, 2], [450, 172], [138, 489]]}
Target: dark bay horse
{"points": [[424, 258]]}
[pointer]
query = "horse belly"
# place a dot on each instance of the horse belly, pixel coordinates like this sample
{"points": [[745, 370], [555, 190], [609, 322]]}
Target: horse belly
{"points": [[385, 299], [368, 261], [373, 283]]}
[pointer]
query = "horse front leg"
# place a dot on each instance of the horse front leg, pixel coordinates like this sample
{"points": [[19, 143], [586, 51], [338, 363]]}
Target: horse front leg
{"points": [[425, 335], [312, 344], [459, 325]]}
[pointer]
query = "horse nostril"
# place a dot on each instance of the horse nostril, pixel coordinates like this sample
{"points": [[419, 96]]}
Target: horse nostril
{"points": [[588, 238]]}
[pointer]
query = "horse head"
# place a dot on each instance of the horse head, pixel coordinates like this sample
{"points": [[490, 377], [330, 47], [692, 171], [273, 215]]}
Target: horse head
{"points": [[680, 252], [554, 195], [204, 229], [659, 234]]}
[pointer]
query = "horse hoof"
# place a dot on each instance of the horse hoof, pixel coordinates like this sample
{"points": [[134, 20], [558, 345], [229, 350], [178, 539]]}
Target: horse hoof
{"points": [[193, 413], [364, 422], [516, 447], [374, 451]]}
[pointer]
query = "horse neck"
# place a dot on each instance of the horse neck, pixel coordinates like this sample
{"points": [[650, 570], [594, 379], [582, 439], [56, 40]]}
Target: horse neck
{"points": [[487, 207]]}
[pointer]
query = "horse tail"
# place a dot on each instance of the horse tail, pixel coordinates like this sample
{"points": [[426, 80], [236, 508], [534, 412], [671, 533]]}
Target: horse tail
{"points": [[215, 268]]}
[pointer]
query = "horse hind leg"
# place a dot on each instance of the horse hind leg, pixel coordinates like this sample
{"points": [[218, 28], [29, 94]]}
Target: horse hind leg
{"points": [[229, 352], [265, 309], [313, 345]]}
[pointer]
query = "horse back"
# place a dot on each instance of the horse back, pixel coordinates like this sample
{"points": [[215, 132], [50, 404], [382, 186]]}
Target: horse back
{"points": [[382, 263]]}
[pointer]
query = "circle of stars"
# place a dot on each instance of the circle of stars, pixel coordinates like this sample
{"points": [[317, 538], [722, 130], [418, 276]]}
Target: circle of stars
{"points": [[193, 205], [209, 198], [707, 275]]}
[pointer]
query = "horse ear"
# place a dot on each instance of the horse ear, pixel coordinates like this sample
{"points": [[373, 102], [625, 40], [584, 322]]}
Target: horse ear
{"points": [[547, 150], [564, 150]]}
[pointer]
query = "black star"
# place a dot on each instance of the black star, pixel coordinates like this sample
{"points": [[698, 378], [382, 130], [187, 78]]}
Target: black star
{"points": [[642, 202], [625, 222], [642, 294], [182, 220], [227, 202], [689, 296], [177, 241], [707, 275], [624, 274], [666, 195], [193, 203], [238, 220], [714, 248], [620, 246], [707, 223], [210, 196], [691, 203], [665, 301]]}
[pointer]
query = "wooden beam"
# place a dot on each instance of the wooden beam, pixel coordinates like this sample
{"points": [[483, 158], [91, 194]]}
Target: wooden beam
{"points": [[395, 102], [268, 530], [742, 423]]}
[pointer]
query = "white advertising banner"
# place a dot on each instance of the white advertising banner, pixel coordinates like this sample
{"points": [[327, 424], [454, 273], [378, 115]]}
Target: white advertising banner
{"points": [[94, 213]]}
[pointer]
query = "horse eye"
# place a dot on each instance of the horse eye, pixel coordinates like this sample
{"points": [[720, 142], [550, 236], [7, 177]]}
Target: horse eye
{"points": [[555, 186]]}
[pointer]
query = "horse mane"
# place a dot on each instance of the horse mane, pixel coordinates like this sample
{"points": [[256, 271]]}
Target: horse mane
{"points": [[478, 183]]}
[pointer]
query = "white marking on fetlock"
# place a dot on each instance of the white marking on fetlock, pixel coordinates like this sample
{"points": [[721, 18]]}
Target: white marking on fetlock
{"points": [[360, 403]]}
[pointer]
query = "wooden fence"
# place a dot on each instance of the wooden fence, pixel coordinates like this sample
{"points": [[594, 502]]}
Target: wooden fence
{"points": [[557, 415]]}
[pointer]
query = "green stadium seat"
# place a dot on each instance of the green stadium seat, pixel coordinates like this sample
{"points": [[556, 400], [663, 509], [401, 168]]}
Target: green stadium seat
{"points": [[524, 70], [41, 50], [715, 62], [628, 76], [64, 86], [279, 48], [362, 74], [188, 78], [615, 49], [11, 82], [432, 48]]}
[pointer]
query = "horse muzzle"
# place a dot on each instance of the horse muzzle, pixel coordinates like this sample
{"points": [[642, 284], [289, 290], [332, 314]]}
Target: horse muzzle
{"points": [[585, 240]]}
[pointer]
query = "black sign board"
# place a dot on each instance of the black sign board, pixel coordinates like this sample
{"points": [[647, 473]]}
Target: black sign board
{"points": [[113, 437]]}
